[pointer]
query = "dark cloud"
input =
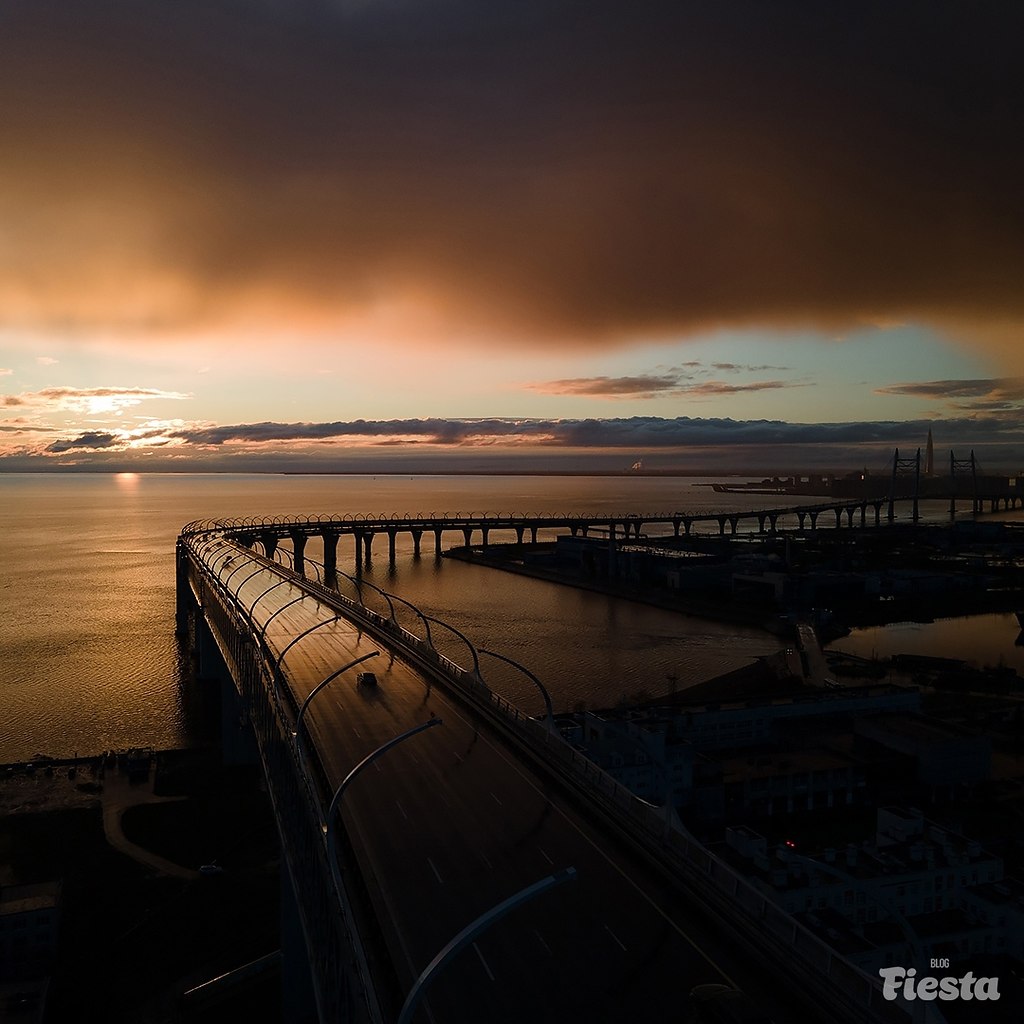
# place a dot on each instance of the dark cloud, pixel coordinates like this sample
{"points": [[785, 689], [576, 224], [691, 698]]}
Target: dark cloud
{"points": [[650, 385], [90, 439], [628, 432], [1005, 388], [646, 386], [587, 170]]}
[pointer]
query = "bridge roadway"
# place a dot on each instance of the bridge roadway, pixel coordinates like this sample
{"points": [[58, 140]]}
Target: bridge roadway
{"points": [[451, 822]]}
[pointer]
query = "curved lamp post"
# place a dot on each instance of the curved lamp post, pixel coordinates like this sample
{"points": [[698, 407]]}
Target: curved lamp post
{"points": [[295, 639], [423, 618], [550, 714], [471, 931], [462, 637], [279, 583], [316, 689], [263, 628], [247, 561], [330, 828]]}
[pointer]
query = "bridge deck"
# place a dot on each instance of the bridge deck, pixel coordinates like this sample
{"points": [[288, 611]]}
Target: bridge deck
{"points": [[452, 822]]}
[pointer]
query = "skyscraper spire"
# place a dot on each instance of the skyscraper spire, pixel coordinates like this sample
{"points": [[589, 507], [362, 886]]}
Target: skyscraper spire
{"points": [[929, 458]]}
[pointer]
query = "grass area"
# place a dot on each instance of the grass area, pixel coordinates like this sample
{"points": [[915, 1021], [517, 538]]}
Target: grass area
{"points": [[131, 941]]}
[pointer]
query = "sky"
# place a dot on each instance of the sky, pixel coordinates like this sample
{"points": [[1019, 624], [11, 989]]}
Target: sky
{"points": [[365, 235]]}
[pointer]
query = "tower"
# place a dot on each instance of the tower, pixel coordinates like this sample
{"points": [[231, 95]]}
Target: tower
{"points": [[929, 457]]}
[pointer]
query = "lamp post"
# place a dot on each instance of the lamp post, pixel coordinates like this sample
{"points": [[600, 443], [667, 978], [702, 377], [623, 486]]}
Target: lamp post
{"points": [[471, 931], [550, 713], [316, 689], [462, 637], [330, 826]]}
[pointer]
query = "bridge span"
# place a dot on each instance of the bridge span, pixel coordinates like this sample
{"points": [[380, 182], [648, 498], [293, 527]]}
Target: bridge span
{"points": [[866, 512], [458, 819]]}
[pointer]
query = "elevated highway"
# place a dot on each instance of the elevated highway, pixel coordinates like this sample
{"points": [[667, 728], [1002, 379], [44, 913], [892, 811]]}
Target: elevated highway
{"points": [[457, 819]]}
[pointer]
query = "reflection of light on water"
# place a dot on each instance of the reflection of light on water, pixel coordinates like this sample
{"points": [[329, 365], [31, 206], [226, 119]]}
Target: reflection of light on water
{"points": [[981, 639], [127, 481]]}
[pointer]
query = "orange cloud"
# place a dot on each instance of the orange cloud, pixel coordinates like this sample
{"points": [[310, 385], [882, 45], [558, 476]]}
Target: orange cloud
{"points": [[535, 170]]}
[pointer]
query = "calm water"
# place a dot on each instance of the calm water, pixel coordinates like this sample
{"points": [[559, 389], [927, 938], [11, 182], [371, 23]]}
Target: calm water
{"points": [[88, 656]]}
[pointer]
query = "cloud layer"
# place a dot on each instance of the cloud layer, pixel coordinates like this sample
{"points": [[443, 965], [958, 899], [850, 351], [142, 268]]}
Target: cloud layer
{"points": [[590, 172]]}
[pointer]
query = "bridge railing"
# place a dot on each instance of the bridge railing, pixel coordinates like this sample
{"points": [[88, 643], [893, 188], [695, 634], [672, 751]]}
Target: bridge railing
{"points": [[344, 989]]}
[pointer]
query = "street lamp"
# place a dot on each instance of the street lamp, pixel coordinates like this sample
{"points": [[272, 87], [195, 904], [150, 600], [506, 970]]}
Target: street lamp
{"points": [[316, 689], [471, 931], [462, 637], [550, 713], [330, 827]]}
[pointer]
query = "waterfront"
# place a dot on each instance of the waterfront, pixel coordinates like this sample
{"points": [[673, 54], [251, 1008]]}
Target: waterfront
{"points": [[91, 661]]}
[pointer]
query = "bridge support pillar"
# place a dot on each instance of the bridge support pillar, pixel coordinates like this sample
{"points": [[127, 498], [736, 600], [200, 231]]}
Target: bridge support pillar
{"points": [[484, 531], [467, 532], [676, 523], [298, 552], [391, 546], [773, 521], [298, 1000], [687, 526], [416, 534], [533, 534], [330, 539], [367, 544], [520, 531], [762, 518], [801, 516], [184, 601], [721, 526], [437, 543], [269, 542], [814, 520], [839, 517]]}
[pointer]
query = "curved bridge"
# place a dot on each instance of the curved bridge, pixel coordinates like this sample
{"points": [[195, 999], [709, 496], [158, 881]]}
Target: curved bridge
{"points": [[270, 530], [397, 871]]}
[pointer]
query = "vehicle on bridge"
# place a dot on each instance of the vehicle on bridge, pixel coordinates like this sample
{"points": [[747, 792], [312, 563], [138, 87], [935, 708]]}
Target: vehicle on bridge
{"points": [[366, 679]]}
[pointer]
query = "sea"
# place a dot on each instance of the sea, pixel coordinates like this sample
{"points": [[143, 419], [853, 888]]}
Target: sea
{"points": [[89, 660]]}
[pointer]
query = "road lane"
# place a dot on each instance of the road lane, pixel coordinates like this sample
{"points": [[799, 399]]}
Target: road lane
{"points": [[452, 822]]}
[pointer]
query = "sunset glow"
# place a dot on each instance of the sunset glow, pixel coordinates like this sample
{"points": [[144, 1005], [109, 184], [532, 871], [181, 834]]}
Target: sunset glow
{"points": [[341, 235]]}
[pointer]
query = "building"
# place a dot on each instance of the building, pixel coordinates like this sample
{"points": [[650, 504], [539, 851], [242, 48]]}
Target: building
{"points": [[915, 890]]}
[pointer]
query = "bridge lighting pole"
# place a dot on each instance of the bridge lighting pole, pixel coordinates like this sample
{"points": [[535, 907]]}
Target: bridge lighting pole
{"points": [[471, 931], [330, 827], [316, 689], [423, 618], [263, 628], [248, 561], [550, 713], [462, 637], [295, 639], [279, 583]]}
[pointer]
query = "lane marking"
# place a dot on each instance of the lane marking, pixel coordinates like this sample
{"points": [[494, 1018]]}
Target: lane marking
{"points": [[496, 800], [544, 855], [601, 853], [355, 730], [490, 866], [437, 874], [402, 809], [540, 939], [483, 961], [618, 941]]}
